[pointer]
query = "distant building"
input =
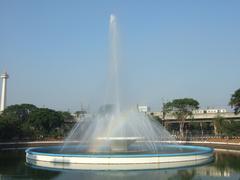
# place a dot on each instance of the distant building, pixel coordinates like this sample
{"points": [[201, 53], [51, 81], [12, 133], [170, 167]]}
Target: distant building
{"points": [[144, 109], [80, 115], [209, 111]]}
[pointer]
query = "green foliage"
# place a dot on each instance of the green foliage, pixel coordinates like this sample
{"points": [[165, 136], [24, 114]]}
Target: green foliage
{"points": [[219, 124], [9, 128], [66, 115], [181, 109], [167, 107], [13, 121], [235, 101], [46, 121], [26, 121], [231, 128], [19, 111], [227, 127]]}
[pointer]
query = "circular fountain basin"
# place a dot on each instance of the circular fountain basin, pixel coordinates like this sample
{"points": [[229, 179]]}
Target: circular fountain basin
{"points": [[169, 156]]}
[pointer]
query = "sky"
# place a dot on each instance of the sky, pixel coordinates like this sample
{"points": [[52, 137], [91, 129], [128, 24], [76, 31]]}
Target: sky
{"points": [[57, 51]]}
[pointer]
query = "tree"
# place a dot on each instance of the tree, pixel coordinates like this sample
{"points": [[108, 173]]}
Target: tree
{"points": [[9, 128], [19, 111], [235, 101], [14, 122], [219, 125], [46, 122], [167, 107], [66, 116], [231, 128], [182, 109], [226, 127]]}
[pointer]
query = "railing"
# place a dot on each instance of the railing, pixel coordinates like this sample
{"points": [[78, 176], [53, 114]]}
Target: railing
{"points": [[210, 138]]}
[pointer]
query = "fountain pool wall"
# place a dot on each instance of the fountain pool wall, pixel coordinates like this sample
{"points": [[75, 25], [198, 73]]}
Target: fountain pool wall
{"points": [[44, 157]]}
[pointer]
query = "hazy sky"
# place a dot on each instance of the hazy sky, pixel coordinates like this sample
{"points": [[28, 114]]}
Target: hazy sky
{"points": [[57, 52]]}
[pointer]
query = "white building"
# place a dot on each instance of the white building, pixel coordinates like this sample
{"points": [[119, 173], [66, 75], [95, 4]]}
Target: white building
{"points": [[209, 111], [144, 108]]}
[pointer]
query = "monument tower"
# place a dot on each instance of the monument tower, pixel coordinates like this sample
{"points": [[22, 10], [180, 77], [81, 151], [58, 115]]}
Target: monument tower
{"points": [[4, 78]]}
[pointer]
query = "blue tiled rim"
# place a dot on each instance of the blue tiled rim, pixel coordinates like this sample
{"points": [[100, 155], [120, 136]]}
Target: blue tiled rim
{"points": [[200, 150]]}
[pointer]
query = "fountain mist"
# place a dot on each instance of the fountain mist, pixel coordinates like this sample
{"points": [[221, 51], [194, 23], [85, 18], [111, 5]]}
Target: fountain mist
{"points": [[113, 130], [117, 140]]}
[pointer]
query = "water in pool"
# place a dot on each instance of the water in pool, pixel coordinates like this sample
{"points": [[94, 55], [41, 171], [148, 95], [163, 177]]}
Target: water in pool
{"points": [[225, 166]]}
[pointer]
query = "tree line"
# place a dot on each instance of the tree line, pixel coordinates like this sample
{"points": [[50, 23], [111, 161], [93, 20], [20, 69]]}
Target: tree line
{"points": [[182, 109], [26, 121]]}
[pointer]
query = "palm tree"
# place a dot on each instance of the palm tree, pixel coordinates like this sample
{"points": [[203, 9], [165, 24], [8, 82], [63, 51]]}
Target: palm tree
{"points": [[218, 125]]}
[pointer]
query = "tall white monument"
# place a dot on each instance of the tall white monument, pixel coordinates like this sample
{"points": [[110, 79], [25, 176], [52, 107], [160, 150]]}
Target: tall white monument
{"points": [[4, 78]]}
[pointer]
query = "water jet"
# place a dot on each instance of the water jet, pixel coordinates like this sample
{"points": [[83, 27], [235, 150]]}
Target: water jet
{"points": [[118, 140]]}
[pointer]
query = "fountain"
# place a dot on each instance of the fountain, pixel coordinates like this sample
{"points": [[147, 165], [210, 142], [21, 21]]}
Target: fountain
{"points": [[115, 139]]}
